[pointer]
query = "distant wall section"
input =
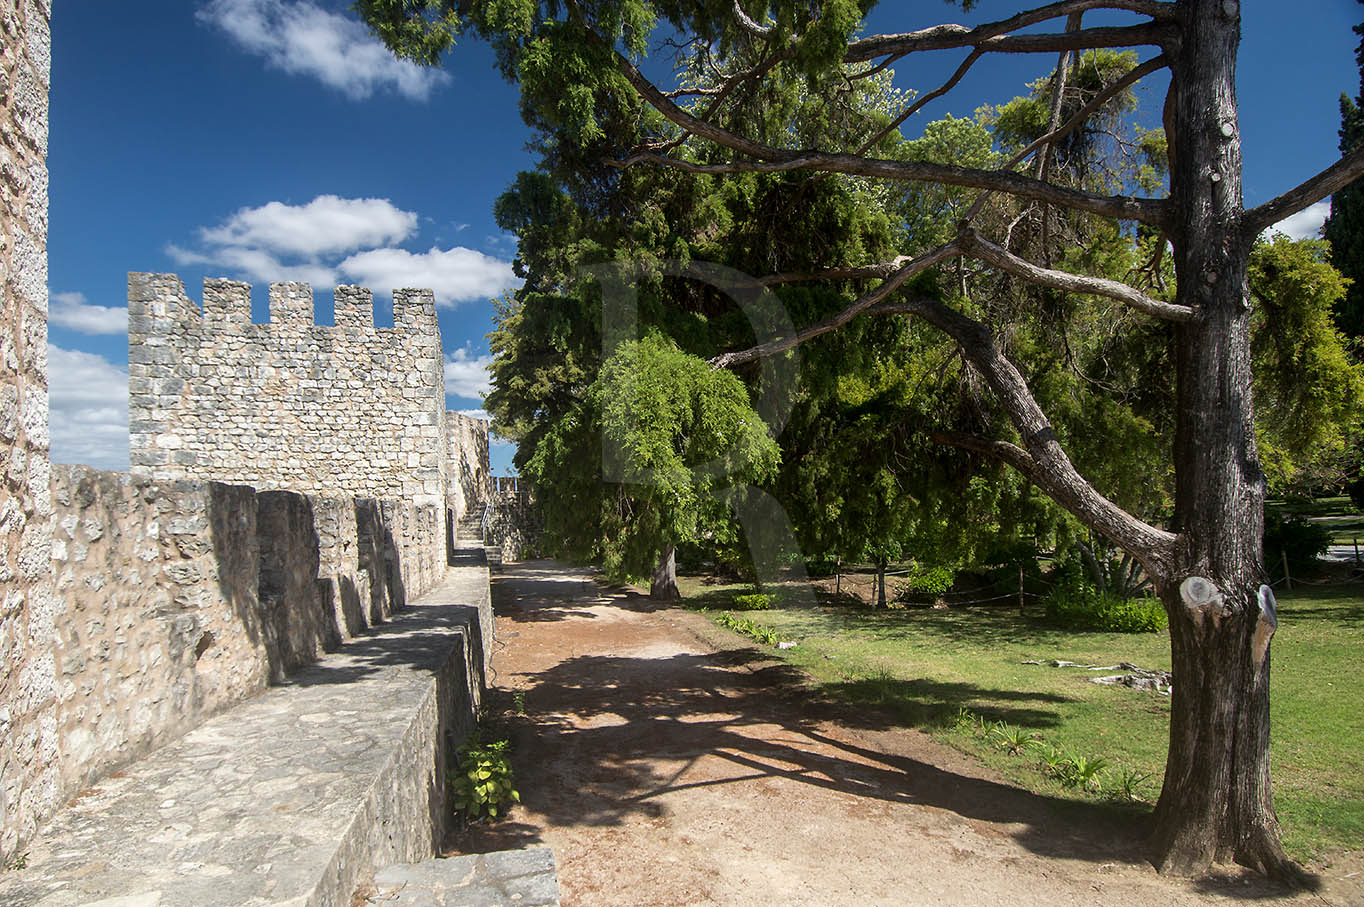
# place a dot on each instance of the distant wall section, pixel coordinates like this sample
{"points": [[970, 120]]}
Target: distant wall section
{"points": [[467, 455], [350, 409]]}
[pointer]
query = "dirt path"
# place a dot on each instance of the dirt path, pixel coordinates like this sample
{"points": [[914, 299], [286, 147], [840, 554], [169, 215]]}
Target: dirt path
{"points": [[665, 769]]}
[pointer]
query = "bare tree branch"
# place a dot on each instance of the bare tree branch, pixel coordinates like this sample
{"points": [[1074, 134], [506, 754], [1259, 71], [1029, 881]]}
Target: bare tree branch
{"points": [[858, 306], [989, 38], [1041, 458], [1334, 178], [1123, 207], [918, 105], [882, 270], [747, 23], [972, 243]]}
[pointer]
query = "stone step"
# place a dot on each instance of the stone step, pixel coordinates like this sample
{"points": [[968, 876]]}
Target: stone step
{"points": [[291, 798], [510, 878]]}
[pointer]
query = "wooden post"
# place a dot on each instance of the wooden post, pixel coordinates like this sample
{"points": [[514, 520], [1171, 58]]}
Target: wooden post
{"points": [[1020, 590], [838, 576], [1288, 579]]}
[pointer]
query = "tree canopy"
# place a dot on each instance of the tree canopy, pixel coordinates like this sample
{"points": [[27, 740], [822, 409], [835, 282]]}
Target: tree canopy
{"points": [[1040, 216]]}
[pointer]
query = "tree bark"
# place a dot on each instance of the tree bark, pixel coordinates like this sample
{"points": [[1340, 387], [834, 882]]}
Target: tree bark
{"points": [[1216, 804], [664, 584], [881, 583]]}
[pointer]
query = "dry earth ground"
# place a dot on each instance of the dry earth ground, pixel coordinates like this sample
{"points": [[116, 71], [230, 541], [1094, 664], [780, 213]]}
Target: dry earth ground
{"points": [[665, 766]]}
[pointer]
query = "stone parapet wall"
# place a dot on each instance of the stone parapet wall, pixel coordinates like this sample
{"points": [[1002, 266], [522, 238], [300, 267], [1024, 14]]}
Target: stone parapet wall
{"points": [[350, 409], [30, 786], [515, 525], [177, 599]]}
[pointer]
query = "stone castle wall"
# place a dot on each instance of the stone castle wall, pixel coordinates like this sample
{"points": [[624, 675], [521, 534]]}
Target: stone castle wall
{"points": [[30, 786], [351, 409], [177, 599]]}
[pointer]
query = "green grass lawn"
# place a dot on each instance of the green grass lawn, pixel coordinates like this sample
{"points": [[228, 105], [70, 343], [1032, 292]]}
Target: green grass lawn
{"points": [[925, 665]]}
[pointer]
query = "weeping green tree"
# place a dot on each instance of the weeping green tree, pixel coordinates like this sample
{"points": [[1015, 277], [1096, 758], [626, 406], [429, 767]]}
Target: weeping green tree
{"points": [[686, 442]]}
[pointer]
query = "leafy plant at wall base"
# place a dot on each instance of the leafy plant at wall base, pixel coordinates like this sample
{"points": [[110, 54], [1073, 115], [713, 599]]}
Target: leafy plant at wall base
{"points": [[1009, 737], [481, 779], [1128, 783]]}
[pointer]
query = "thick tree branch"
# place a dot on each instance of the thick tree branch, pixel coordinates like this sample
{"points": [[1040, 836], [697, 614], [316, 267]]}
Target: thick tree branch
{"points": [[858, 306], [746, 22], [972, 243], [1334, 178], [1041, 459], [881, 270], [994, 37], [918, 105]]}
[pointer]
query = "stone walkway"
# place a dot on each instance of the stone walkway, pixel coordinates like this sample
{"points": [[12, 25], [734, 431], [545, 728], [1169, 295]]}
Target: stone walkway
{"points": [[512, 878], [292, 797]]}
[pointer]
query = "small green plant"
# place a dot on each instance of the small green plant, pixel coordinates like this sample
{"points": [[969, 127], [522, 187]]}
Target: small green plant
{"points": [[928, 580], [1009, 737], [1128, 784], [519, 702], [1084, 772], [481, 779], [754, 601], [746, 627], [964, 721], [1049, 756], [15, 862]]}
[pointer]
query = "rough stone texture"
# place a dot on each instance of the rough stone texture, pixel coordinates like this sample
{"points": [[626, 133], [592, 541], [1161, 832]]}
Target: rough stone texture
{"points": [[350, 409], [295, 796], [178, 599], [29, 770], [467, 454], [509, 878], [515, 525]]}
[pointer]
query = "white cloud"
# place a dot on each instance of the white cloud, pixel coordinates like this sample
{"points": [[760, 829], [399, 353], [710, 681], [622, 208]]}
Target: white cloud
{"points": [[72, 311], [1306, 224], [456, 275], [466, 375], [301, 38], [256, 265], [88, 409], [327, 224]]}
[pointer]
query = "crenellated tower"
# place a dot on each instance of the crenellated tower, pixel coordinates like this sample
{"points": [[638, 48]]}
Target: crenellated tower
{"points": [[345, 409]]}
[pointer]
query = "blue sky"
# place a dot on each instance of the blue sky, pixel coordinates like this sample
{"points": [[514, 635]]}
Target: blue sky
{"points": [[275, 140]]}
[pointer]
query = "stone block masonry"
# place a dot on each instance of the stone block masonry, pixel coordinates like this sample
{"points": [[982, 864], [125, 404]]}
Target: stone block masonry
{"points": [[350, 409], [178, 599], [30, 786]]}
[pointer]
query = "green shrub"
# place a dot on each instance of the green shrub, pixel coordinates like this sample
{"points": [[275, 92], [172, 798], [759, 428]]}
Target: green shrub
{"points": [[481, 779], [928, 581], [1075, 605], [746, 627], [754, 601], [1301, 540]]}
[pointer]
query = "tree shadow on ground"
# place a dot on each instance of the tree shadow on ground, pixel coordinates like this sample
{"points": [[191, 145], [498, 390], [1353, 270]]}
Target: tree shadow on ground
{"points": [[610, 736]]}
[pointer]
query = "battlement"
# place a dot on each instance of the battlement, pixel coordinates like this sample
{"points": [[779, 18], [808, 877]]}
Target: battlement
{"points": [[158, 305], [289, 404]]}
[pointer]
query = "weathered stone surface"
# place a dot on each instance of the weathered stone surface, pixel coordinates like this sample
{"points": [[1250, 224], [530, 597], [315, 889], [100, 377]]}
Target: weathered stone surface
{"points": [[30, 783], [286, 405], [294, 796], [510, 878]]}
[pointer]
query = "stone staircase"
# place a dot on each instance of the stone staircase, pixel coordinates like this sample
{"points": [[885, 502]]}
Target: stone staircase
{"points": [[470, 529], [301, 795]]}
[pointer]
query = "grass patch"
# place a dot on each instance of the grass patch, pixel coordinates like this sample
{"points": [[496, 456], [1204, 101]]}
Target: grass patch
{"points": [[959, 673]]}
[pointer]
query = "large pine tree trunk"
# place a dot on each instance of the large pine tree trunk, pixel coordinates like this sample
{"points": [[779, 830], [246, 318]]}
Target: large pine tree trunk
{"points": [[664, 584], [1216, 804]]}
